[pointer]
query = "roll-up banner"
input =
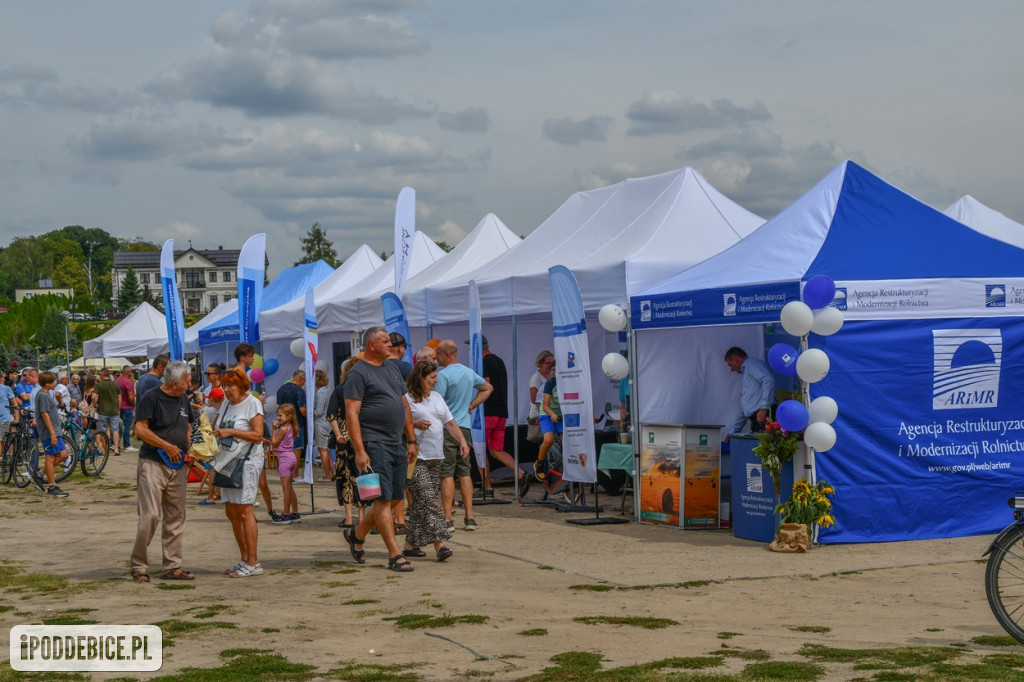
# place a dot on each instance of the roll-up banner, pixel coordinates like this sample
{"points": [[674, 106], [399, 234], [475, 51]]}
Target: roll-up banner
{"points": [[310, 353], [476, 361], [250, 287], [172, 303], [395, 320], [572, 365]]}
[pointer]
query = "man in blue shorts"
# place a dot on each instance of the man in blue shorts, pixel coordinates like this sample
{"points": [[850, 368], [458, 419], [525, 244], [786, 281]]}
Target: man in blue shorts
{"points": [[378, 415], [51, 431]]}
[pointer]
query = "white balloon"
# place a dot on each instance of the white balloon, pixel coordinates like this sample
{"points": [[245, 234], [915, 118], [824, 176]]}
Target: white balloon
{"points": [[823, 409], [270, 407], [797, 318], [298, 348], [613, 318], [615, 366], [812, 365], [820, 436], [827, 321]]}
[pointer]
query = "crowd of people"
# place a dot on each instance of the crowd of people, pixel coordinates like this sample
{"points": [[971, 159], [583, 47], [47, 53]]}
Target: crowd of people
{"points": [[409, 423]]}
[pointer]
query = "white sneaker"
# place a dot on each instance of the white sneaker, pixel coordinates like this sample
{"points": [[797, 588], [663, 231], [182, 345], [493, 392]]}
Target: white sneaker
{"points": [[244, 570], [234, 568], [256, 570]]}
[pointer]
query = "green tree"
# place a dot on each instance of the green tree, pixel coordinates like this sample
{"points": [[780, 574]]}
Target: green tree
{"points": [[71, 273], [51, 332], [445, 246], [130, 295], [316, 246]]}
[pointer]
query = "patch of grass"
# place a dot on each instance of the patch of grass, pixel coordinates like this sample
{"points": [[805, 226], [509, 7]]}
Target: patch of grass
{"points": [[173, 628], [995, 640], [4, 608], [572, 665], [69, 619], [729, 635], [685, 585], [347, 571], [270, 630], [933, 629], [324, 595], [811, 628], [246, 666], [903, 657], [432, 604], [231, 653], [354, 602], [338, 583], [784, 670], [414, 621], [174, 586], [545, 568], [14, 579], [974, 671], [328, 564], [636, 621], [1008, 660], [742, 654], [374, 672], [535, 632], [592, 588], [204, 611]]}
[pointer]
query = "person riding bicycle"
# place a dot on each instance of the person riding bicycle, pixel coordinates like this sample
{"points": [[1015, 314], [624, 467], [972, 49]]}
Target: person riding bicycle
{"points": [[51, 430], [550, 421]]}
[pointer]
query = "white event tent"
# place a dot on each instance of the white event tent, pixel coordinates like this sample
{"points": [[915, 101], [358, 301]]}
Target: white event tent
{"points": [[281, 325], [988, 221], [616, 240], [142, 333]]}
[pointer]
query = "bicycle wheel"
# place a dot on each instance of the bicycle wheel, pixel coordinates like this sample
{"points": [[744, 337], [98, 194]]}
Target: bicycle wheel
{"points": [[26, 465], [63, 471], [95, 451], [1004, 582], [7, 461]]}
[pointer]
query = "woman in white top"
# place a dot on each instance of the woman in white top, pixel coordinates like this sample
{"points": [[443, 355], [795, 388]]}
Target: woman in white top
{"points": [[430, 415], [240, 431]]}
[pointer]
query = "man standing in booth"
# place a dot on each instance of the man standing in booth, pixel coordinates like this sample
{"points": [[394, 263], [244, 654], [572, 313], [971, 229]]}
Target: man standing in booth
{"points": [[757, 393]]}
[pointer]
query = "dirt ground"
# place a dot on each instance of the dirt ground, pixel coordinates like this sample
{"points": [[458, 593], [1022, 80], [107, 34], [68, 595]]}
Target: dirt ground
{"points": [[520, 570]]}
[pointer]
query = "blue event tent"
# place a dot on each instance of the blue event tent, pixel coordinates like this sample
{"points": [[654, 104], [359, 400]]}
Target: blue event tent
{"points": [[925, 369]]}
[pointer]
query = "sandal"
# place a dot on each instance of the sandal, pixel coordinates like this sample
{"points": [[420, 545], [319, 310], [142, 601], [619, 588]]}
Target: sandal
{"points": [[140, 577], [399, 529], [177, 574], [400, 563], [350, 537], [414, 552], [444, 553]]}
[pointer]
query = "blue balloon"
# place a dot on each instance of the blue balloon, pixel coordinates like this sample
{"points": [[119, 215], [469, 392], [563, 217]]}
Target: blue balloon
{"points": [[791, 415], [782, 357], [819, 291], [270, 366]]}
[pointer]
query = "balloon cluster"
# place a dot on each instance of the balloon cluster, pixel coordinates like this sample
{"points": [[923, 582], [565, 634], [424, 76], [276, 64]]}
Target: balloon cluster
{"points": [[614, 319], [812, 315], [262, 368]]}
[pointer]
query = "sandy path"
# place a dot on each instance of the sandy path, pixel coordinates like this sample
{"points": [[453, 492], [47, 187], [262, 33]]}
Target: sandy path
{"points": [[516, 570]]}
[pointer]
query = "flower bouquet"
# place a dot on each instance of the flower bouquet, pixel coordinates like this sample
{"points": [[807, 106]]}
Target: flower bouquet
{"points": [[775, 447], [808, 504]]}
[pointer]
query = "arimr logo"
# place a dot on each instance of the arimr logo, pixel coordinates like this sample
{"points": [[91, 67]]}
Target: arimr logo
{"points": [[755, 482], [729, 305], [645, 311], [995, 296], [839, 302], [967, 363]]}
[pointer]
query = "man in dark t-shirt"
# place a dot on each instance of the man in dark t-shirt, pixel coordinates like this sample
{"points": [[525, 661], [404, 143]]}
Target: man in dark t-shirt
{"points": [[378, 416], [162, 424], [495, 418], [293, 392]]}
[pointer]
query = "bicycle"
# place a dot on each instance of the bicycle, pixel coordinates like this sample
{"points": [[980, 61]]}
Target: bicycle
{"points": [[91, 448], [26, 461], [7, 454], [1004, 573]]}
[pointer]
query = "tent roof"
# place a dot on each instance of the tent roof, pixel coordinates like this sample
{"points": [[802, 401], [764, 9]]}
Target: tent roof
{"points": [[97, 363], [851, 226], [289, 284], [341, 312], [616, 240], [488, 240], [286, 320], [988, 221], [142, 332], [222, 311]]}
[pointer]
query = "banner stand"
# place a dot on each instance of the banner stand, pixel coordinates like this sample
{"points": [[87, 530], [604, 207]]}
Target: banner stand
{"points": [[312, 505], [598, 520]]}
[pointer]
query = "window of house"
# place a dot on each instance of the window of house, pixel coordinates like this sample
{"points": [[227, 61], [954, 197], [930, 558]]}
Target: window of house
{"points": [[192, 279], [213, 275], [213, 300], [227, 275], [144, 278]]}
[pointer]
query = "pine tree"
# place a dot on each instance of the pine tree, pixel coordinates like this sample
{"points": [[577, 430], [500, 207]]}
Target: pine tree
{"points": [[130, 295], [316, 246]]}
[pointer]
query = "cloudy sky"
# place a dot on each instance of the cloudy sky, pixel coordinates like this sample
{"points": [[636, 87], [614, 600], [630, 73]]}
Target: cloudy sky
{"points": [[211, 121]]}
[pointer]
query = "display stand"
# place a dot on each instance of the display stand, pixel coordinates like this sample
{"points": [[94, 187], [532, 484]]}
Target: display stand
{"points": [[598, 520]]}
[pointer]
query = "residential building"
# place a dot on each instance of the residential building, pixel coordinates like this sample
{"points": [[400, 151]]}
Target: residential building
{"points": [[206, 277]]}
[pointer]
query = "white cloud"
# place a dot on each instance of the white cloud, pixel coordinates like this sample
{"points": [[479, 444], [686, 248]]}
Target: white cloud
{"points": [[667, 111], [570, 132]]}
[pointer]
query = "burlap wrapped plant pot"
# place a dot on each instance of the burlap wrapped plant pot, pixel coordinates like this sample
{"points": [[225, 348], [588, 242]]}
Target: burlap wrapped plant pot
{"points": [[792, 537]]}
